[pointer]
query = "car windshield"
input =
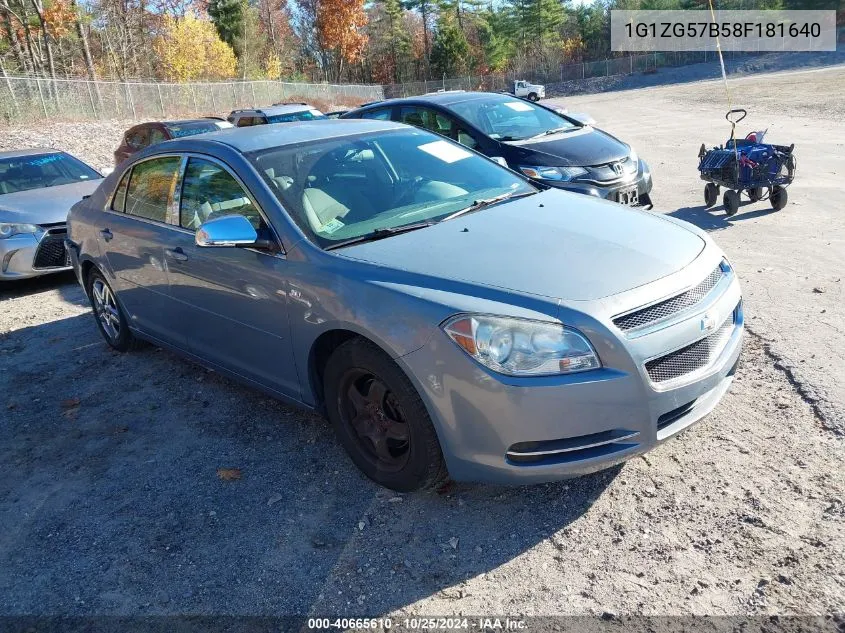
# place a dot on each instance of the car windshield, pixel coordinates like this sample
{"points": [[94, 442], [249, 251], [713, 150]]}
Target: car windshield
{"points": [[42, 170], [355, 186], [509, 119], [302, 115], [178, 130]]}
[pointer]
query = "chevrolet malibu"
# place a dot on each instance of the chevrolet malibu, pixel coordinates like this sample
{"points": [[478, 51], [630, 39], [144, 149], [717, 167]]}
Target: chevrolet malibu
{"points": [[447, 315]]}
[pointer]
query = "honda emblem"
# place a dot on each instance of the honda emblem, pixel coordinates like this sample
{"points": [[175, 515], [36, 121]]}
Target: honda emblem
{"points": [[617, 167]]}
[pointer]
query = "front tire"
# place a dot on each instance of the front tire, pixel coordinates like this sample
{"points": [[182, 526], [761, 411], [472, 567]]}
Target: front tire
{"points": [[533, 96], [711, 193], [778, 197], [380, 418], [111, 321], [731, 202]]}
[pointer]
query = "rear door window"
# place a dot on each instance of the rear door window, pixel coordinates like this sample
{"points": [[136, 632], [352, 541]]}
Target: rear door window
{"points": [[151, 187], [139, 138], [424, 118], [157, 136], [380, 114]]}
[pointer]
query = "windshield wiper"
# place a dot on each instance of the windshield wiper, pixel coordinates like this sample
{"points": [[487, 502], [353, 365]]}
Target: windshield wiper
{"points": [[486, 202], [556, 130], [379, 234]]}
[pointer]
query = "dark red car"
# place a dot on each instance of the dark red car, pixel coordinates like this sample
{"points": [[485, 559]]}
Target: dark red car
{"points": [[145, 134]]}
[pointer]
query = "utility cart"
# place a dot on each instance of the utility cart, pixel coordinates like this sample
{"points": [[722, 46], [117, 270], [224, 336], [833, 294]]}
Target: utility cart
{"points": [[746, 166]]}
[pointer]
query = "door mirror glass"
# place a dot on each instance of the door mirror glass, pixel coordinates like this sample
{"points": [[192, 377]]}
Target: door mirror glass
{"points": [[228, 230]]}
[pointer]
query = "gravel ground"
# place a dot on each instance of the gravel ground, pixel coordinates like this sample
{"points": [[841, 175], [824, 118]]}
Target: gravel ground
{"points": [[112, 502]]}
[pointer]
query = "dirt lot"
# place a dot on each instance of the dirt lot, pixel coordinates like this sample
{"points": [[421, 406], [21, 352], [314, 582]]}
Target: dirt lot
{"points": [[111, 502]]}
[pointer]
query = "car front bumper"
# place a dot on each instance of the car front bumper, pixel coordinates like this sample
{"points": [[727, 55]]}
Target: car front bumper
{"points": [[500, 429], [32, 255], [610, 191]]}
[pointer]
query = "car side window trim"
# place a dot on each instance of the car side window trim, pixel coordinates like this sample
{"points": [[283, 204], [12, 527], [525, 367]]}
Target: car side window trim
{"points": [[173, 213], [176, 196], [113, 198]]}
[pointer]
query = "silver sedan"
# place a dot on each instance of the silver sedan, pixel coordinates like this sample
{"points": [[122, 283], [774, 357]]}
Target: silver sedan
{"points": [[445, 313], [37, 189]]}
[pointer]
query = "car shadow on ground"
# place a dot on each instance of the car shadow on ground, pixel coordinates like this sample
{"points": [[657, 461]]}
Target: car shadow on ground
{"points": [[715, 219], [140, 483], [64, 282]]}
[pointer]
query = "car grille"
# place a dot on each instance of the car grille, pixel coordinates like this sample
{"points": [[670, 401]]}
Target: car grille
{"points": [[693, 357], [51, 251], [607, 172], [668, 307]]}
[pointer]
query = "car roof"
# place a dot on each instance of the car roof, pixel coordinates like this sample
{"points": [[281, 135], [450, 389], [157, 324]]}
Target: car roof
{"points": [[31, 151], [187, 121], [440, 98], [254, 138], [277, 109]]}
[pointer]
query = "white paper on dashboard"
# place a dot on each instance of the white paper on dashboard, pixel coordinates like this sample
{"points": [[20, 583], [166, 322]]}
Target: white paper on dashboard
{"points": [[445, 151]]}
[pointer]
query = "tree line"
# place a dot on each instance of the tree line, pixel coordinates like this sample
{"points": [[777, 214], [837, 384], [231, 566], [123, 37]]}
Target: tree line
{"points": [[366, 41]]}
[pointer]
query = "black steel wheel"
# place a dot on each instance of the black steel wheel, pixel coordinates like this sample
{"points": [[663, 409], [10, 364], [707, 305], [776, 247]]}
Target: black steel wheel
{"points": [[731, 202], [380, 419], [533, 97], [778, 197], [711, 193]]}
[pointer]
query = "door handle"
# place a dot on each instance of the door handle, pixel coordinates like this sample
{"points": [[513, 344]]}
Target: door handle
{"points": [[107, 235], [178, 254]]}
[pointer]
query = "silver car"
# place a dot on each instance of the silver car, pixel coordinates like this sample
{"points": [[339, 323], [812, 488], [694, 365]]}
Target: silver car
{"points": [[445, 313], [37, 189]]}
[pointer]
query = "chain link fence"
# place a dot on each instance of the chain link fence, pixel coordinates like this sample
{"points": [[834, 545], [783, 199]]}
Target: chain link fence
{"points": [[627, 65], [35, 98]]}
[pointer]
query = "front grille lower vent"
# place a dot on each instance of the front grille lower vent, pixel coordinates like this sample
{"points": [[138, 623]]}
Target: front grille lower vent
{"points": [[668, 307], [573, 449], [670, 417], [51, 251], [693, 357]]}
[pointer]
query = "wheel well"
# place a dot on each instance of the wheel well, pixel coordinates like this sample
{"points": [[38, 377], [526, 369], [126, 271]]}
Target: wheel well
{"points": [[322, 348], [86, 270]]}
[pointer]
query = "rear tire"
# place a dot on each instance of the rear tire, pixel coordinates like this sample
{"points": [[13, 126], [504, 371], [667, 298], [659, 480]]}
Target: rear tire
{"points": [[731, 202], [778, 197], [380, 418], [532, 96], [711, 193], [111, 321]]}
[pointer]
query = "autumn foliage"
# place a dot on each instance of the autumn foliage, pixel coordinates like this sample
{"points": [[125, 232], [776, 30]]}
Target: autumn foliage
{"points": [[339, 28], [189, 48]]}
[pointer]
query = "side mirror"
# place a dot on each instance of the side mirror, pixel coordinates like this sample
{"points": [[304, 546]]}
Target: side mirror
{"points": [[582, 117], [229, 230]]}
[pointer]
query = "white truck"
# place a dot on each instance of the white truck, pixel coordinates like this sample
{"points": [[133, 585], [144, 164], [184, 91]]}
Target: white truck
{"points": [[526, 90]]}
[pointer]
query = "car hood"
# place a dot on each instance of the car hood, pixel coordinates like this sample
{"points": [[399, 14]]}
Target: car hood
{"points": [[554, 244], [581, 147], [48, 205]]}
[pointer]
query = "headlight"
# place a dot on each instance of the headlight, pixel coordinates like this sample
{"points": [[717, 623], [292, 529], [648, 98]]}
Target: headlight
{"points": [[553, 173], [8, 229], [519, 347]]}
